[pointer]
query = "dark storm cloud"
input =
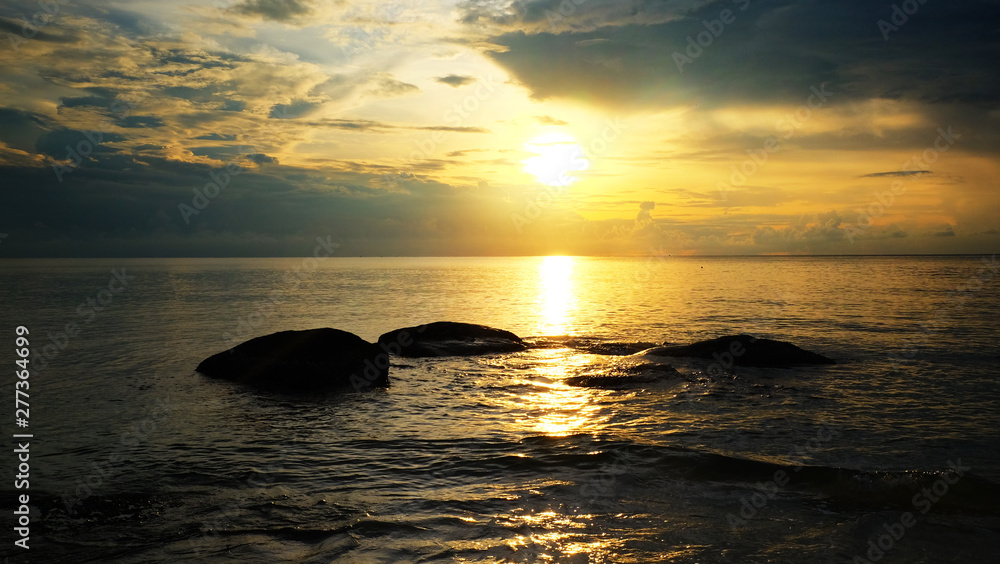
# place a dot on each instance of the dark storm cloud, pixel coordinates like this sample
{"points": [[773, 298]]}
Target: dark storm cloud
{"points": [[455, 80], [20, 129], [98, 210], [772, 51], [569, 14], [112, 203], [58, 143], [78, 101]]}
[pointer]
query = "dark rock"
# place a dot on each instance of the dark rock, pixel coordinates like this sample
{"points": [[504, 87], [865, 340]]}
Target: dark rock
{"points": [[744, 350], [616, 349], [315, 360], [627, 377], [446, 338]]}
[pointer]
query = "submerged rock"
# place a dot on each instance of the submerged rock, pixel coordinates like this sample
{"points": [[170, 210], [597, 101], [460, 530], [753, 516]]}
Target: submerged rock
{"points": [[616, 349], [627, 377], [315, 360], [447, 338], [744, 350]]}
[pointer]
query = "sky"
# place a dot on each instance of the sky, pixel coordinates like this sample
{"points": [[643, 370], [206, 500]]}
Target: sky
{"points": [[498, 127]]}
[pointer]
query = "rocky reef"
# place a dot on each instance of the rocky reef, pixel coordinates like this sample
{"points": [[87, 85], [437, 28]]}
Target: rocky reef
{"points": [[314, 360], [743, 350]]}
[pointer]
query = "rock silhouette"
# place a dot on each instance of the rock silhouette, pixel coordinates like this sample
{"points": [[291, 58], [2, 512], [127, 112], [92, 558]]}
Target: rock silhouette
{"points": [[744, 350], [447, 338], [314, 360]]}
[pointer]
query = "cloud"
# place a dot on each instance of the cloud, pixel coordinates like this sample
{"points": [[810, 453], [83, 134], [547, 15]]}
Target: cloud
{"points": [[772, 52], [896, 173], [463, 152], [947, 232], [815, 233], [455, 80], [369, 126], [294, 110], [140, 121], [261, 158], [277, 10], [644, 223], [453, 129], [568, 15], [549, 120], [46, 34], [387, 86], [216, 137]]}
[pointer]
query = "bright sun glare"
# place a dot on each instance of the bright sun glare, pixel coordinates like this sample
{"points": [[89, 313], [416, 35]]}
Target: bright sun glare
{"points": [[558, 154], [556, 296]]}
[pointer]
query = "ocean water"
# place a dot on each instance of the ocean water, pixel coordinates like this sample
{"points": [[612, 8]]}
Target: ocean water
{"points": [[891, 455]]}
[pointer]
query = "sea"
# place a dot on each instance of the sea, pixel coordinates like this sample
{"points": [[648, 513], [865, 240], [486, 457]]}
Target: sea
{"points": [[890, 455]]}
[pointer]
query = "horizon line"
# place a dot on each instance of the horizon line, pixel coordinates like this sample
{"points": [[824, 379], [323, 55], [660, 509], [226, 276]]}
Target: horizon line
{"points": [[504, 256]]}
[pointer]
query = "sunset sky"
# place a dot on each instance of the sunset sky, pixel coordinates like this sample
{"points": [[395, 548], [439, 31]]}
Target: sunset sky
{"points": [[498, 127]]}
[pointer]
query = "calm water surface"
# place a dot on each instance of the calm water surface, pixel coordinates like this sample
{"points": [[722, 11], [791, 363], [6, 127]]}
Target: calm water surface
{"points": [[137, 458]]}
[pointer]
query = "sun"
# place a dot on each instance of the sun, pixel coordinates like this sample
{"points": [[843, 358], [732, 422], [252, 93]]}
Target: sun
{"points": [[557, 155]]}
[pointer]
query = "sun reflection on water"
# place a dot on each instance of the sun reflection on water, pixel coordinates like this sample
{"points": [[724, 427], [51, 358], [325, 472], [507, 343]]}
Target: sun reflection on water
{"points": [[557, 409], [556, 298]]}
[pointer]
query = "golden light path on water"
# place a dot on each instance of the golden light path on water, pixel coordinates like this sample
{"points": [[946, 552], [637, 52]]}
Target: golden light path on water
{"points": [[557, 409], [556, 295], [554, 409]]}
